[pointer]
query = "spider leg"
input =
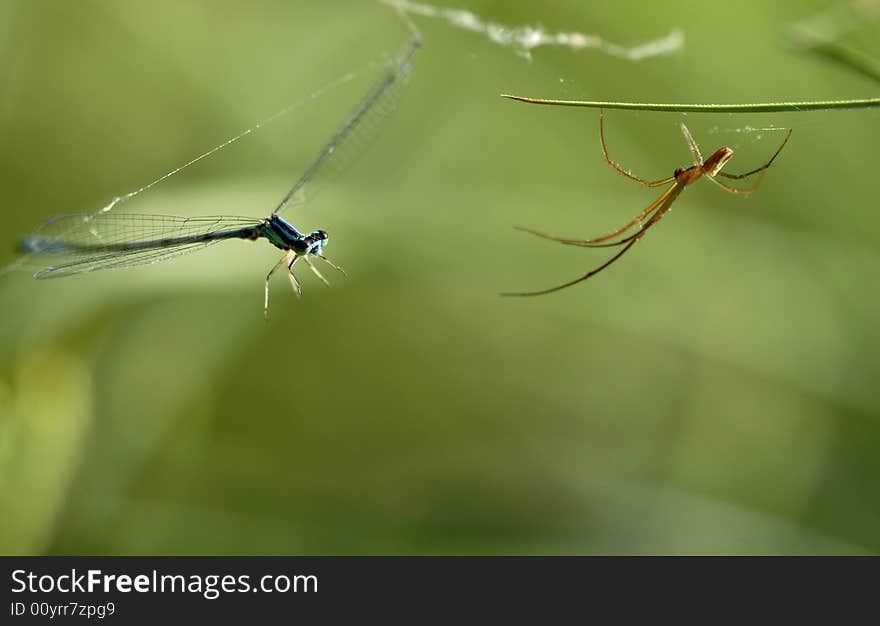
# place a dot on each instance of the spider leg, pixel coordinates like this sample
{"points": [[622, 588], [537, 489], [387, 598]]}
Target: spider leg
{"points": [[763, 167], [617, 167], [736, 190], [692, 145], [589, 274], [597, 242], [632, 239], [760, 170]]}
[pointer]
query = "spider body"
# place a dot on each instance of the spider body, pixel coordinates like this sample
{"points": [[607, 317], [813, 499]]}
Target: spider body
{"points": [[711, 167]]}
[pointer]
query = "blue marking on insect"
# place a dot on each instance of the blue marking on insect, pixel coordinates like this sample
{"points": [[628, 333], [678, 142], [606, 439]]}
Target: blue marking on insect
{"points": [[283, 235], [35, 243]]}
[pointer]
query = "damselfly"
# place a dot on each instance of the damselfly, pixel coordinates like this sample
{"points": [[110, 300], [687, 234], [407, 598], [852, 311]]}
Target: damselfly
{"points": [[80, 243]]}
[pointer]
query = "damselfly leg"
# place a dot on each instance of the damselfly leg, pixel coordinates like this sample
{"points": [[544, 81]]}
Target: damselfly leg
{"points": [[331, 264], [316, 271], [283, 260], [293, 281]]}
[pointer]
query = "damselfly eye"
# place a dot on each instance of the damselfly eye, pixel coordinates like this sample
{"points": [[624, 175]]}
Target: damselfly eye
{"points": [[321, 235]]}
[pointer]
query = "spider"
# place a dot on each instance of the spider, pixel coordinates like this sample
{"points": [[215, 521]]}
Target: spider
{"points": [[681, 178]]}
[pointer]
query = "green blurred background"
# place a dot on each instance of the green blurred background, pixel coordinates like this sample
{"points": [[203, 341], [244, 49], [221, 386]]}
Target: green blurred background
{"points": [[715, 391]]}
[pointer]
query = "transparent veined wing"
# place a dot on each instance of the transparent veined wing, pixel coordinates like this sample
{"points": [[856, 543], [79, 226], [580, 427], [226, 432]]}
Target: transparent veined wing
{"points": [[358, 130], [79, 243]]}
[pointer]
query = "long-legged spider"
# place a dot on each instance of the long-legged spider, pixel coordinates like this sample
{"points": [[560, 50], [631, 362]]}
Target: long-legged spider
{"points": [[681, 178]]}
